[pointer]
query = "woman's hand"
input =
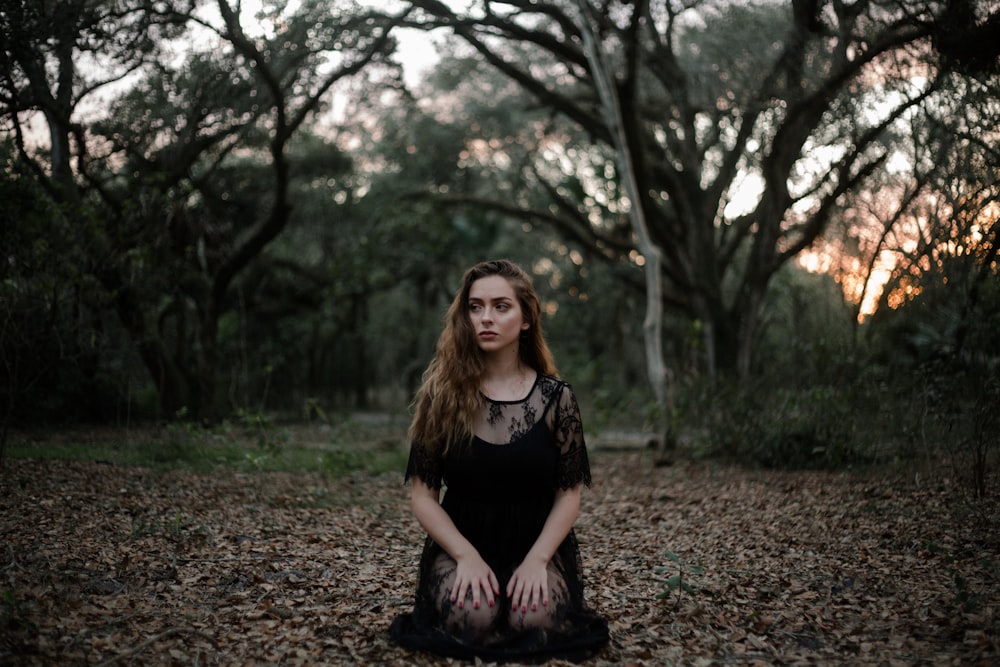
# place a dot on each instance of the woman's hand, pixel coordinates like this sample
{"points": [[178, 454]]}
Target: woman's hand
{"points": [[473, 574], [471, 571], [529, 585]]}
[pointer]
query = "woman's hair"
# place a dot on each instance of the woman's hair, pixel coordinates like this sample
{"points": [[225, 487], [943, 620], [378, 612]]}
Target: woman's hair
{"points": [[449, 399]]}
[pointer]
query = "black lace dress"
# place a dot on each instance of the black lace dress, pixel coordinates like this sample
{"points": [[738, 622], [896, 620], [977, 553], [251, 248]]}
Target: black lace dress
{"points": [[499, 491]]}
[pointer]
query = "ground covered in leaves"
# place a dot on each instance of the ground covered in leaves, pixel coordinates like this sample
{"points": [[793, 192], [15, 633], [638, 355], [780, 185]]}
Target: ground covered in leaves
{"points": [[108, 564]]}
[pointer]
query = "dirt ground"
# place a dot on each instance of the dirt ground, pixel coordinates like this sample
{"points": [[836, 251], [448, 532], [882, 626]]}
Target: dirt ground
{"points": [[112, 565]]}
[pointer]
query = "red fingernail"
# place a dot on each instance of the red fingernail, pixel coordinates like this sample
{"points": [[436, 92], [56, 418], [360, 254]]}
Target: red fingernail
{"points": [[475, 605], [491, 603], [534, 606]]}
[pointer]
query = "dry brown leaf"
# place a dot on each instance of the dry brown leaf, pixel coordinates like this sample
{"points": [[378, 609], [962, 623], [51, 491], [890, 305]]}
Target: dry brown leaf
{"points": [[242, 569]]}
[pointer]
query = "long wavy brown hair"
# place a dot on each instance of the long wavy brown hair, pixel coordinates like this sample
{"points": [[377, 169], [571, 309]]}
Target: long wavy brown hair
{"points": [[449, 399]]}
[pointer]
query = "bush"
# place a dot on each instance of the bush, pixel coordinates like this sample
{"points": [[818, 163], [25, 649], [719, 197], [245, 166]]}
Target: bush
{"points": [[813, 428]]}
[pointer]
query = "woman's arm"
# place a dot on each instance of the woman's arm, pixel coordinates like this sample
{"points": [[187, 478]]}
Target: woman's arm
{"points": [[529, 584], [472, 572]]}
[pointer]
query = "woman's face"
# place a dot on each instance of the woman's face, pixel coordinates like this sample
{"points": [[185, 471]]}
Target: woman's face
{"points": [[495, 313]]}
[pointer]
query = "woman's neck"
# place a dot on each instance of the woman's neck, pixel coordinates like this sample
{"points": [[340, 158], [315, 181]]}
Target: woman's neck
{"points": [[506, 378]]}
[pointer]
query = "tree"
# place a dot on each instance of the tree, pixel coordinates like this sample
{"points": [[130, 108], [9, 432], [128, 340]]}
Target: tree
{"points": [[177, 190], [614, 114], [747, 125], [949, 239], [37, 301], [935, 201]]}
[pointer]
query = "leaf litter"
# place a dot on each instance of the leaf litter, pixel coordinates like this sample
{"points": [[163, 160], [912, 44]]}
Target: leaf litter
{"points": [[114, 565]]}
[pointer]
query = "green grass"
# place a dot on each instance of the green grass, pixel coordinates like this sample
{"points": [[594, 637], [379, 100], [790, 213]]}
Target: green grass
{"points": [[348, 446]]}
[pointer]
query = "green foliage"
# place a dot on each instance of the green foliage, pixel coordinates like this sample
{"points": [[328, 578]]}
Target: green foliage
{"points": [[942, 353], [193, 178], [815, 427], [259, 427], [370, 446], [340, 461], [678, 583], [808, 403], [807, 336], [610, 405], [248, 441], [958, 417], [54, 343]]}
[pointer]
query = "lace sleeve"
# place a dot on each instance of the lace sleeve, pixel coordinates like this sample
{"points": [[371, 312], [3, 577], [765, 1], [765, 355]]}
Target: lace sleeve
{"points": [[425, 465], [574, 466]]}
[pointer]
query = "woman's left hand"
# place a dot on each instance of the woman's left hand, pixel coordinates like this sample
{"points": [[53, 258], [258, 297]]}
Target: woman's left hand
{"points": [[529, 585]]}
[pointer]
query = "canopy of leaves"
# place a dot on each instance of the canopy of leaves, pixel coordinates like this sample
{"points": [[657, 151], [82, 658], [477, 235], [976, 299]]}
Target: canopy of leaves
{"points": [[749, 124]]}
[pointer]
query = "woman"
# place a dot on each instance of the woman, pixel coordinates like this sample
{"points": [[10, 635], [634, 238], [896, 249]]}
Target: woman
{"points": [[499, 574]]}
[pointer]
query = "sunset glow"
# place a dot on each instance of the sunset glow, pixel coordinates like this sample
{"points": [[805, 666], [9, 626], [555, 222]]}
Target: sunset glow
{"points": [[850, 275]]}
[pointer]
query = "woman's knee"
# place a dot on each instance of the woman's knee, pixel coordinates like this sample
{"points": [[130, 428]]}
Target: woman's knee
{"points": [[469, 620], [542, 617], [465, 619]]}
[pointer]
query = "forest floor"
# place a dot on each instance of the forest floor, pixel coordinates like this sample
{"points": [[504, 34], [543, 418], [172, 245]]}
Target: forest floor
{"points": [[106, 564]]}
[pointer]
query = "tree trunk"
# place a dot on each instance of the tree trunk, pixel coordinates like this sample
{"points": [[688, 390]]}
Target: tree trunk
{"points": [[745, 326], [207, 364], [652, 326], [360, 380]]}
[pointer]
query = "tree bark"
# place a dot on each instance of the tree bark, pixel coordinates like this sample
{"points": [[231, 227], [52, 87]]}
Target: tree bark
{"points": [[652, 326]]}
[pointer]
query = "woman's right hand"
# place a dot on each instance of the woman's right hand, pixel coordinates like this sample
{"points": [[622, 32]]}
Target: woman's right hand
{"points": [[473, 574]]}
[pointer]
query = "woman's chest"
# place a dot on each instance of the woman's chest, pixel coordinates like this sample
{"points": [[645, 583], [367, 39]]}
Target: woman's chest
{"points": [[526, 465]]}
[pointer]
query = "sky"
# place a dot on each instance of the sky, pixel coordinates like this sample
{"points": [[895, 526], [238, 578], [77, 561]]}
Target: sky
{"points": [[415, 53]]}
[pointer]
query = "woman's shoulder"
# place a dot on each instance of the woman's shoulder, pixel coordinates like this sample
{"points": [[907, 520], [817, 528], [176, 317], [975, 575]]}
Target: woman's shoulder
{"points": [[552, 387]]}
